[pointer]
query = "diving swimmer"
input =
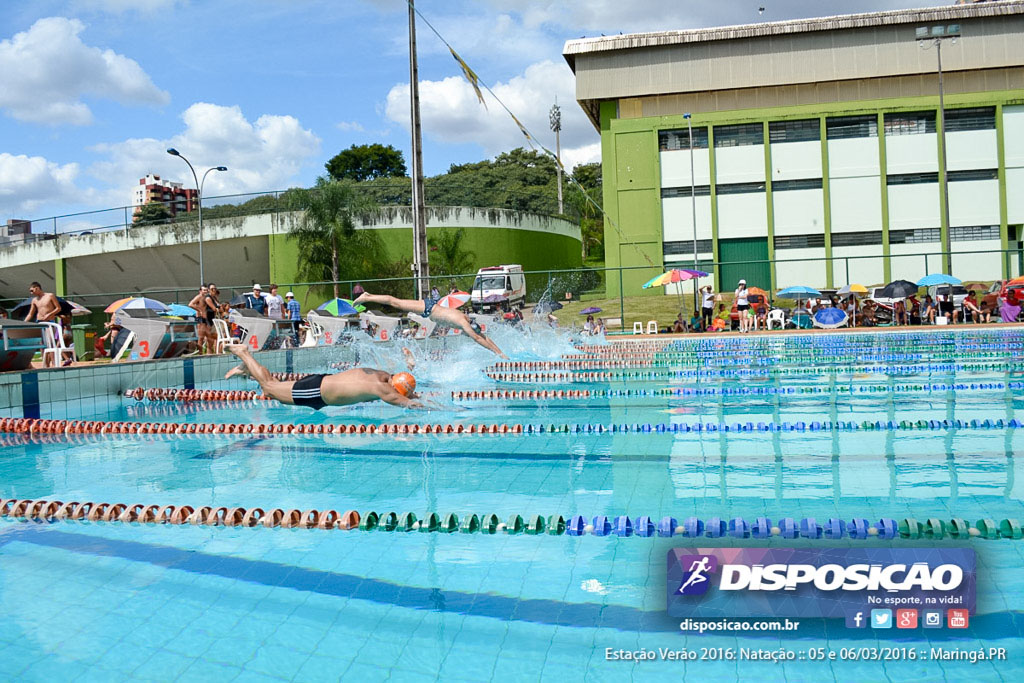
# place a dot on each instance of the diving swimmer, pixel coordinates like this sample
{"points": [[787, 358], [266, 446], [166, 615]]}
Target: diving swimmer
{"points": [[357, 385], [428, 307]]}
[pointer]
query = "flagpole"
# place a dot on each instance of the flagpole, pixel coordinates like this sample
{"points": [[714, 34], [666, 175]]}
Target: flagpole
{"points": [[420, 267]]}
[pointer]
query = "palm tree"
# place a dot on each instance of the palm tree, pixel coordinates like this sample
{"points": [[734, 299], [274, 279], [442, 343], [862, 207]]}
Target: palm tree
{"points": [[447, 257], [327, 225]]}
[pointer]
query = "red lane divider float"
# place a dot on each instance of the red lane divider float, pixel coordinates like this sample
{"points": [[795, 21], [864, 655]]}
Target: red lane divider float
{"points": [[33, 427], [137, 513], [201, 395]]}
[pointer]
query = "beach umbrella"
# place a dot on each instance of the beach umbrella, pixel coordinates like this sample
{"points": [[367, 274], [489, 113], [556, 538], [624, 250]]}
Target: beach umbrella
{"points": [[338, 307], [938, 279], [239, 300], [899, 289], [133, 303], [853, 289], [66, 308], [590, 310], [547, 307], [454, 300], [180, 311], [359, 307], [673, 275], [798, 292], [830, 318], [1015, 282]]}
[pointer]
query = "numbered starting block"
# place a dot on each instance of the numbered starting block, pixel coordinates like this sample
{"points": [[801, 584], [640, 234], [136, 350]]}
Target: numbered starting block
{"points": [[258, 332], [21, 341], [156, 336]]}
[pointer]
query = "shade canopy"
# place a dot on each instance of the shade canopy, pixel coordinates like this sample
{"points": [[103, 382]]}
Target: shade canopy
{"points": [[180, 310], [830, 317], [135, 303], [338, 307], [899, 289], [590, 310], [454, 300], [673, 275], [798, 292], [938, 279], [852, 289]]}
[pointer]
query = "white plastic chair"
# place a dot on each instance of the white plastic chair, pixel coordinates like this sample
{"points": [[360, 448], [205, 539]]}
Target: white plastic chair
{"points": [[53, 337], [776, 315], [223, 335], [652, 327], [638, 328]]}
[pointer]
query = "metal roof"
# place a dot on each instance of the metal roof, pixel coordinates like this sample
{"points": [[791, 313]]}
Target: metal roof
{"points": [[630, 41]]}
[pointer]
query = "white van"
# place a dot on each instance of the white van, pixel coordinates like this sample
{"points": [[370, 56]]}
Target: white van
{"points": [[498, 287]]}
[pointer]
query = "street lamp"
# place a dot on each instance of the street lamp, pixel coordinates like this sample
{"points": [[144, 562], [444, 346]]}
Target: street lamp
{"points": [[199, 188], [928, 36], [693, 204]]}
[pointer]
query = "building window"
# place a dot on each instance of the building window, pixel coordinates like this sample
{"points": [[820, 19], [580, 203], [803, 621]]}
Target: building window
{"points": [[845, 127], [911, 178], [979, 174], [867, 238], [799, 241], [804, 184], [739, 135], [973, 118], [699, 191], [671, 140], [910, 123], [974, 232], [794, 131], [684, 247], [916, 236], [739, 188]]}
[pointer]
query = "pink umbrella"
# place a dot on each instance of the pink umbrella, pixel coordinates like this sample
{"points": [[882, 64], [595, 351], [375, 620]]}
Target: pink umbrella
{"points": [[454, 300]]}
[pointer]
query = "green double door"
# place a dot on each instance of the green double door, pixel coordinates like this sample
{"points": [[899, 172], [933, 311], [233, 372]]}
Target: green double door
{"points": [[744, 259]]}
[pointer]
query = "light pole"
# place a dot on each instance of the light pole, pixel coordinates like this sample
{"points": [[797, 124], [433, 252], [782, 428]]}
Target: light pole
{"points": [[199, 188], [926, 37], [555, 116], [693, 204]]}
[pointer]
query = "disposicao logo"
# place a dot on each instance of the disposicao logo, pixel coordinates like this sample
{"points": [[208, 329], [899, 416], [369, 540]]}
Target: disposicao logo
{"points": [[808, 582]]}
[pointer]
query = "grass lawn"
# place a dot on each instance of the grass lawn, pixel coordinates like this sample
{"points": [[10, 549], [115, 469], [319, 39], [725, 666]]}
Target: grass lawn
{"points": [[637, 308]]}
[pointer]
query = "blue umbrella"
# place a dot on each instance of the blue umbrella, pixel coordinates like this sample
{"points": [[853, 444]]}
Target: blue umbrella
{"points": [[830, 317], [180, 311], [338, 307], [938, 279], [798, 292]]}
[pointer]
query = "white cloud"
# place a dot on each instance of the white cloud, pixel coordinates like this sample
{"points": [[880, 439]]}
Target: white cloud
{"points": [[351, 126], [451, 113], [123, 6], [266, 154], [26, 183], [48, 69]]}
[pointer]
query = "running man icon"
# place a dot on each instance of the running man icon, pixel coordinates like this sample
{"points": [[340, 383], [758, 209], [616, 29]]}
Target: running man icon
{"points": [[698, 574]]}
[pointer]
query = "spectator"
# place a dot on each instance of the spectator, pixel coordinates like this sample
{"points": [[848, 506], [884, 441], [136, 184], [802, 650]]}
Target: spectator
{"points": [[696, 322], [198, 304], [679, 326], [971, 307], [588, 327], [928, 310], [275, 304], [743, 306], [707, 306], [761, 319], [598, 330], [256, 301], [45, 306], [434, 294], [212, 301], [985, 312], [294, 312], [946, 304]]}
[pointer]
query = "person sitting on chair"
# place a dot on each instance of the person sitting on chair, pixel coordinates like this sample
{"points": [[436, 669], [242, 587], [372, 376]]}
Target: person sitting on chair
{"points": [[428, 308]]}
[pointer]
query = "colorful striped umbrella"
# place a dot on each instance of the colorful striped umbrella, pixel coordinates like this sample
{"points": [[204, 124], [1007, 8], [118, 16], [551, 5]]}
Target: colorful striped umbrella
{"points": [[674, 275], [338, 307], [134, 303], [454, 300]]}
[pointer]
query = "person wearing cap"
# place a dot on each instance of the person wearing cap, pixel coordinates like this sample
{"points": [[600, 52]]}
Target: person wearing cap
{"points": [[256, 301], [743, 306], [293, 312], [358, 385]]}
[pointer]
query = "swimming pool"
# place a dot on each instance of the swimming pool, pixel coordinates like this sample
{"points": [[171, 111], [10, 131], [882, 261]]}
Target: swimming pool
{"points": [[885, 425]]}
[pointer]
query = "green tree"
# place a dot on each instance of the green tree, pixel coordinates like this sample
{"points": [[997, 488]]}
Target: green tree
{"points": [[326, 232], [366, 162], [584, 202], [447, 256], [152, 213]]}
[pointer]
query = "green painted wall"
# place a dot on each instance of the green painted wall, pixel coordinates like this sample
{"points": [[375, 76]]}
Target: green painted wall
{"points": [[490, 246]]}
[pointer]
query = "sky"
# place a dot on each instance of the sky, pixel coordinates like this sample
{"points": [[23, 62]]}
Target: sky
{"points": [[92, 92]]}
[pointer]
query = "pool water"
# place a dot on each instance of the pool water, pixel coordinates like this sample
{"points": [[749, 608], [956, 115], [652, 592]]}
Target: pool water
{"points": [[147, 602]]}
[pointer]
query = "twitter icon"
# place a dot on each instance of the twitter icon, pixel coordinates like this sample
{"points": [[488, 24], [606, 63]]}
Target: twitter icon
{"points": [[881, 618]]}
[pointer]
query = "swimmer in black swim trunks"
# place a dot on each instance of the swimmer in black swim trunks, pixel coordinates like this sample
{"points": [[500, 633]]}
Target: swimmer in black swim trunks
{"points": [[344, 388], [452, 317]]}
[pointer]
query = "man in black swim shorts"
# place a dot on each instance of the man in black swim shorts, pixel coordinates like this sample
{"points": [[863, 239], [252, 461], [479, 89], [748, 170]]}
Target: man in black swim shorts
{"points": [[357, 385]]}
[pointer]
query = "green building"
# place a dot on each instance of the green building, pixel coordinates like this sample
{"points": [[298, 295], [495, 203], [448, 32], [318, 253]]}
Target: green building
{"points": [[817, 146]]}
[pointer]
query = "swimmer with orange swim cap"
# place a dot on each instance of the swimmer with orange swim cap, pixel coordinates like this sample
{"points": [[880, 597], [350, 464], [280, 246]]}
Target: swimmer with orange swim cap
{"points": [[357, 385]]}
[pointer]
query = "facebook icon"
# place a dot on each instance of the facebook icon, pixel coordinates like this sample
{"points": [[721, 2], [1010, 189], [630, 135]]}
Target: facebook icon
{"points": [[856, 620]]}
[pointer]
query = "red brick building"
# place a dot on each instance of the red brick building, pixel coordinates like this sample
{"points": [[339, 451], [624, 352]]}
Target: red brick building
{"points": [[175, 197]]}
